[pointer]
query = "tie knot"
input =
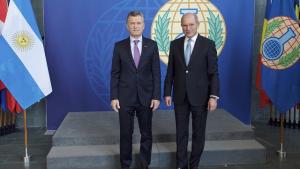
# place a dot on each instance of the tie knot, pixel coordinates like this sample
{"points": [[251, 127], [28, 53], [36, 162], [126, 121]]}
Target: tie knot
{"points": [[189, 40], [136, 42]]}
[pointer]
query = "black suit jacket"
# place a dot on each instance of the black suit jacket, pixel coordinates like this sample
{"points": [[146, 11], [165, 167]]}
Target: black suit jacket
{"points": [[130, 84], [199, 79]]}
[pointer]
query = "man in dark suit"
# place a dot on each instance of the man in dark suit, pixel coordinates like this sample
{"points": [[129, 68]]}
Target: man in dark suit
{"points": [[135, 88], [193, 74]]}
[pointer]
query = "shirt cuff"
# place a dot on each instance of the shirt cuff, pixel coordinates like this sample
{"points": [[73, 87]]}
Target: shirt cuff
{"points": [[214, 97]]}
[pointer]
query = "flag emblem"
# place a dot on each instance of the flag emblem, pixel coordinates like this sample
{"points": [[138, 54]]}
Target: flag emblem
{"points": [[23, 41], [281, 46], [166, 25]]}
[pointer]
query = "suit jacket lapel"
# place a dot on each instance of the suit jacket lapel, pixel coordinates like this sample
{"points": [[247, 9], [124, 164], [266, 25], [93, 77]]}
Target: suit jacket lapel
{"points": [[128, 49], [181, 50], [144, 50], [196, 49]]}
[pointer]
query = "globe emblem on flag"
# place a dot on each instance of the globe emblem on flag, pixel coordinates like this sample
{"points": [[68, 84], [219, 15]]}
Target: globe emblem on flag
{"points": [[166, 25], [280, 48], [109, 28]]}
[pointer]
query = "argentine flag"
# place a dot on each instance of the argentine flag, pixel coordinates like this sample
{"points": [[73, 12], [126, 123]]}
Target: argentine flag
{"points": [[23, 66]]}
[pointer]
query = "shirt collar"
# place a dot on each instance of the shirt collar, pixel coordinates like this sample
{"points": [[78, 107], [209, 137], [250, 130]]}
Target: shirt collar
{"points": [[194, 38], [139, 38]]}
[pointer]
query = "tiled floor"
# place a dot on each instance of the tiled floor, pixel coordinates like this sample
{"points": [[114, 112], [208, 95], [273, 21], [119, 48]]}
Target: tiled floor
{"points": [[12, 150]]}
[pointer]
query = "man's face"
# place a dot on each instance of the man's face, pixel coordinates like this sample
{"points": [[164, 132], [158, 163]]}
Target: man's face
{"points": [[189, 25], [135, 25]]}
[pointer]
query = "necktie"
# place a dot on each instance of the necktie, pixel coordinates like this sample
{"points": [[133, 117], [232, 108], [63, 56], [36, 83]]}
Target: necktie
{"points": [[136, 53], [188, 51]]}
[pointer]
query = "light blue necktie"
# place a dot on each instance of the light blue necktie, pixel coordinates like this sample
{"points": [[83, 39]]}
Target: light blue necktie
{"points": [[188, 51]]}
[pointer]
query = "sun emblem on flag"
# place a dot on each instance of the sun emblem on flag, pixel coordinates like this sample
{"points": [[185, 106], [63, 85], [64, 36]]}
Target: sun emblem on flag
{"points": [[23, 41]]}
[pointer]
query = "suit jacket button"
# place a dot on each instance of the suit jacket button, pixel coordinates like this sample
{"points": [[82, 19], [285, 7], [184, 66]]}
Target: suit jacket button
{"points": [[186, 72]]}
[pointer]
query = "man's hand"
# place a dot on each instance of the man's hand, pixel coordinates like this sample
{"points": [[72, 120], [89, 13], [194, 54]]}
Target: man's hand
{"points": [[115, 105], [154, 104], [212, 104], [168, 100]]}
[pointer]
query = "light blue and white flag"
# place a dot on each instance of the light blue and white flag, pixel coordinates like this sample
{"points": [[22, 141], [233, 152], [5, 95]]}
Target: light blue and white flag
{"points": [[23, 66]]}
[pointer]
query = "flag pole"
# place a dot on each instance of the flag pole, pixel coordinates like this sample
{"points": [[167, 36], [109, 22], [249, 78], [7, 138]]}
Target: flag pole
{"points": [[1, 122], [281, 153], [290, 120], [26, 157], [298, 118], [14, 122], [271, 115], [9, 127], [4, 123], [294, 120]]}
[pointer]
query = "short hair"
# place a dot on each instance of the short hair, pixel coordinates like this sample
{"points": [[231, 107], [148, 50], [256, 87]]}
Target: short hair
{"points": [[195, 17], [134, 13]]}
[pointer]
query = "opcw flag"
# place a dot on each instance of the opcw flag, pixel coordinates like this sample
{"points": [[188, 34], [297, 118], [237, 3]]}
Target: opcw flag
{"points": [[23, 66], [3, 11], [281, 52]]}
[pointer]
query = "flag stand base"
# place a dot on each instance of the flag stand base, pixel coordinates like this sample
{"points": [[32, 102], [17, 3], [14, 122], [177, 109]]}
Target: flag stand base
{"points": [[281, 153], [27, 160]]}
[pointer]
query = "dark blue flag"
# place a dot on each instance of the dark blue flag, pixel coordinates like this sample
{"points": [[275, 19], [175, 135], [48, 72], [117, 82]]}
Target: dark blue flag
{"points": [[281, 51]]}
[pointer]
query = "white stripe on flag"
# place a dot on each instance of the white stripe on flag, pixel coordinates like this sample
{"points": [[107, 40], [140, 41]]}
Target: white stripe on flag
{"points": [[27, 46]]}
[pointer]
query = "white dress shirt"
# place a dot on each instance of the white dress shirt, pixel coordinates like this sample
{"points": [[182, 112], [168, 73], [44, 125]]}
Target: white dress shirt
{"points": [[194, 38], [139, 44]]}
